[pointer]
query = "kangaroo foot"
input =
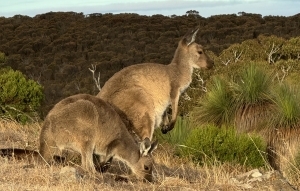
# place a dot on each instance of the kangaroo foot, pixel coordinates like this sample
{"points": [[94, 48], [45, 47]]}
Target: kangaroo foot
{"points": [[167, 128]]}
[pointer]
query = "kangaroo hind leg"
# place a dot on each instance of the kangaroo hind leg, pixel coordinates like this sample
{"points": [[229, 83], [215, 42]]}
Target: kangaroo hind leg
{"points": [[87, 157]]}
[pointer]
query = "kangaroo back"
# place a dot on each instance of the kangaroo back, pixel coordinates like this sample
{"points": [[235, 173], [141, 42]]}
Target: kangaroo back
{"points": [[144, 91]]}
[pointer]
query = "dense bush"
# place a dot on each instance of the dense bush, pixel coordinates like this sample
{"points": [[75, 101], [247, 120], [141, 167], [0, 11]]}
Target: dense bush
{"points": [[19, 97], [224, 145]]}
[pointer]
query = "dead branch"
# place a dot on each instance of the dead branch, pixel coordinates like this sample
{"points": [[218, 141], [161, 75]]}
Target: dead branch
{"points": [[285, 72], [236, 55], [273, 50], [226, 63], [185, 96], [200, 79], [97, 80]]}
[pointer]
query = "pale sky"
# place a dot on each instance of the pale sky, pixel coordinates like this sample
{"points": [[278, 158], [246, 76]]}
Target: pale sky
{"points": [[205, 8]]}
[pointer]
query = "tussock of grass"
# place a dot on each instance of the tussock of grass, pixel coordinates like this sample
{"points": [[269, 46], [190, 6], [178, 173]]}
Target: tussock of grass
{"points": [[217, 106], [287, 113], [252, 86]]}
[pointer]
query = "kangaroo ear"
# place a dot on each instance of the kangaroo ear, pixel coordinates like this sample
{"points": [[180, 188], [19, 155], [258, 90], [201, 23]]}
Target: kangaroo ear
{"points": [[145, 146], [190, 37]]}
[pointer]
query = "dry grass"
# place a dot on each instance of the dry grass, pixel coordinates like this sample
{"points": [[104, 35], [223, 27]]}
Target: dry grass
{"points": [[171, 172], [289, 164], [12, 134]]}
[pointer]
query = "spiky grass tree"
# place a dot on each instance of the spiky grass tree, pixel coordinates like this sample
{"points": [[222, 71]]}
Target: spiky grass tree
{"points": [[217, 106], [252, 96], [244, 101], [284, 127]]}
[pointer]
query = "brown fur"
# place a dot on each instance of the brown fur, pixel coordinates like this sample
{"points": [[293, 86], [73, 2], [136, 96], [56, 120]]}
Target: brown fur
{"points": [[88, 125], [144, 91]]}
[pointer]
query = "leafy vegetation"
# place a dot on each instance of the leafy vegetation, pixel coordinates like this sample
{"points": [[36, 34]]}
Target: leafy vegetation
{"points": [[261, 99], [211, 143], [19, 97]]}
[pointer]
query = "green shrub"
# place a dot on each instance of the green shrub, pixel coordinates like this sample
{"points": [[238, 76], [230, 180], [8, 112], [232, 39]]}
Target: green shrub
{"points": [[178, 135], [224, 145], [19, 97]]}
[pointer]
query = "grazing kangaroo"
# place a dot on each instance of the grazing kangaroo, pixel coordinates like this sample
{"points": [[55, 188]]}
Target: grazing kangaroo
{"points": [[143, 92], [88, 125]]}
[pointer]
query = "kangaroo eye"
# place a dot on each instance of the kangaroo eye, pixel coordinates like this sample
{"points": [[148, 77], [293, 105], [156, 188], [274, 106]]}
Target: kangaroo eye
{"points": [[146, 168], [200, 52]]}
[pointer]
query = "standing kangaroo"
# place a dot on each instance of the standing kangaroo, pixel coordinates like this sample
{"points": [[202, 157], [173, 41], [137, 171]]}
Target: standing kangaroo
{"points": [[144, 91], [88, 125]]}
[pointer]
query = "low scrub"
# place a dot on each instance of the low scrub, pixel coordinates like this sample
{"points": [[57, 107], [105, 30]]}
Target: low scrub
{"points": [[19, 97], [224, 145]]}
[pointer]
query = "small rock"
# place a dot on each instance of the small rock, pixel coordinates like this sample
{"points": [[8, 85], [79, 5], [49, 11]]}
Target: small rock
{"points": [[247, 174], [256, 174], [69, 174], [246, 186], [267, 175], [255, 179]]}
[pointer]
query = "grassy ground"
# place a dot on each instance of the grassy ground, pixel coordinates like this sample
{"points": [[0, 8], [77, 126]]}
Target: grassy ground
{"points": [[170, 173]]}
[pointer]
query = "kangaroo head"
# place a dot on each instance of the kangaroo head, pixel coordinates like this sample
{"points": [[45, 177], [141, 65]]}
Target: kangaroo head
{"points": [[143, 168], [192, 52]]}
